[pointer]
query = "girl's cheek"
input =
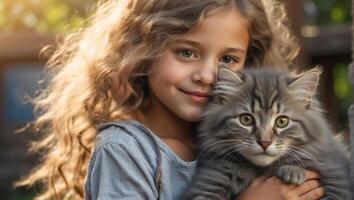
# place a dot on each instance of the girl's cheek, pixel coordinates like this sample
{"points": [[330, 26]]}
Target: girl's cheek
{"points": [[174, 71], [172, 74]]}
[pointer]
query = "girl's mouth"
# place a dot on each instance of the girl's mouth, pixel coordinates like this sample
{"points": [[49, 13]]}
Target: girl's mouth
{"points": [[197, 96]]}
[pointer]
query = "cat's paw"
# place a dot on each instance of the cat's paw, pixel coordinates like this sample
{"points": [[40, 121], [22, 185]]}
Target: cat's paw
{"points": [[291, 174]]}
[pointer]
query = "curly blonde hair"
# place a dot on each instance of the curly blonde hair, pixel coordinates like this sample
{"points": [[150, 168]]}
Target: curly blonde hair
{"points": [[98, 74]]}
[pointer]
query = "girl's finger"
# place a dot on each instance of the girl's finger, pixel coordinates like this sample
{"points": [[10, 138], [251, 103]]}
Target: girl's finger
{"points": [[306, 187], [259, 179], [313, 194], [311, 175]]}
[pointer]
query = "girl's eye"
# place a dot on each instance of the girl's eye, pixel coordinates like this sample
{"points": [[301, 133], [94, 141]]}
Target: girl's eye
{"points": [[246, 119], [228, 60], [282, 121], [186, 53]]}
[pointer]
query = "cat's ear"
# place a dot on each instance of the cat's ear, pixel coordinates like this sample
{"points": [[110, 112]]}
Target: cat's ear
{"points": [[227, 76], [227, 84], [305, 85]]}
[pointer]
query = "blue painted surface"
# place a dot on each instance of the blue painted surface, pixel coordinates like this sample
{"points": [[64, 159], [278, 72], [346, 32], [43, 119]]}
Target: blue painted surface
{"points": [[20, 80]]}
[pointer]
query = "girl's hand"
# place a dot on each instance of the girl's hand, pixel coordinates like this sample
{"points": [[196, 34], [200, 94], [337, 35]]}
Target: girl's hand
{"points": [[273, 188]]}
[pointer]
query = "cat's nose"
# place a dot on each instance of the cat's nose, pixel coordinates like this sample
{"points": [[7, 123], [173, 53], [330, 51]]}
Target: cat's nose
{"points": [[264, 144]]}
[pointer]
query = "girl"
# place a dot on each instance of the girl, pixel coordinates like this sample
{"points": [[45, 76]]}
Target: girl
{"points": [[138, 78]]}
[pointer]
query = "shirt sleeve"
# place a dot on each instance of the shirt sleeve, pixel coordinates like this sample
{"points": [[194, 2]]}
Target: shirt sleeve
{"points": [[115, 173]]}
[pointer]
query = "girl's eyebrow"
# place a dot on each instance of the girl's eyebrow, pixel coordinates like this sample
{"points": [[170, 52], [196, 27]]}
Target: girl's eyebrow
{"points": [[199, 45], [190, 42], [232, 49]]}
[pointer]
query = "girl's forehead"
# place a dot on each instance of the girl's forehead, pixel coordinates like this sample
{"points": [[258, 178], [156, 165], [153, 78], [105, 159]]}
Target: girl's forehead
{"points": [[228, 28]]}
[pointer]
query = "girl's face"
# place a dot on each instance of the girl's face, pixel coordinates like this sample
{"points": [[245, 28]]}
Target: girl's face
{"points": [[183, 76]]}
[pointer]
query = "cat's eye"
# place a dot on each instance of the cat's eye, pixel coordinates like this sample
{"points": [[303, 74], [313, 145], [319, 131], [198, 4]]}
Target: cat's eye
{"points": [[282, 121], [246, 119]]}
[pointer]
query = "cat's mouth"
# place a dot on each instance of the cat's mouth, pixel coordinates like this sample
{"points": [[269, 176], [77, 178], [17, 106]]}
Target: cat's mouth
{"points": [[264, 153], [262, 159], [261, 151]]}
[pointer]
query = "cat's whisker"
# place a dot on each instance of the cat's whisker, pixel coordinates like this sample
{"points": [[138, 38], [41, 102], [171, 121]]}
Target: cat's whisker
{"points": [[299, 149], [285, 157], [251, 146], [226, 151], [301, 152], [232, 155], [293, 155], [289, 158], [214, 144]]}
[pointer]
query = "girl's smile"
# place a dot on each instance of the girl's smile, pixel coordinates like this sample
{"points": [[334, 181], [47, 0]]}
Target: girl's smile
{"points": [[196, 96]]}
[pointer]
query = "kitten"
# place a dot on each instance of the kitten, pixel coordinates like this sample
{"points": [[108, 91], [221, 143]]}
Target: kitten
{"points": [[265, 121]]}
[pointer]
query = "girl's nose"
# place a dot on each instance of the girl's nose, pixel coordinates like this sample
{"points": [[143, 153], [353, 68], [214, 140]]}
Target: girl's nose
{"points": [[206, 73]]}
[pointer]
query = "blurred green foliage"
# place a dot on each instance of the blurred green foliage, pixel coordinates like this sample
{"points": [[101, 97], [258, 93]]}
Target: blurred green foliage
{"points": [[43, 15], [57, 15], [342, 87], [343, 91], [327, 13], [323, 12]]}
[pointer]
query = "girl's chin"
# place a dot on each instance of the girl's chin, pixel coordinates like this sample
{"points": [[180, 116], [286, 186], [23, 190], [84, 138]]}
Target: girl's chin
{"points": [[195, 119], [192, 117]]}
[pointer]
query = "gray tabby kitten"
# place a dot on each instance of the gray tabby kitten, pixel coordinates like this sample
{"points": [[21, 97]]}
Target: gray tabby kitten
{"points": [[262, 121]]}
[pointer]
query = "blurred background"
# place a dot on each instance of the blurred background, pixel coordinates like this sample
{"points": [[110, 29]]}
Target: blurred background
{"points": [[26, 26]]}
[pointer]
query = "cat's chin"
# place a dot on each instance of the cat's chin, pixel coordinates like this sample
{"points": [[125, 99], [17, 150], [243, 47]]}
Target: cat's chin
{"points": [[262, 160]]}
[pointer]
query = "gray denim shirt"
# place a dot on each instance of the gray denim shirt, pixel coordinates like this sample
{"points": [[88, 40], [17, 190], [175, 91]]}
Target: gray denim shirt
{"points": [[124, 164]]}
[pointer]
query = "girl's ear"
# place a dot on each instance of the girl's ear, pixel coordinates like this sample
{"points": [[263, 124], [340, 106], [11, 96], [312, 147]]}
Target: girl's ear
{"points": [[305, 84], [227, 84]]}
